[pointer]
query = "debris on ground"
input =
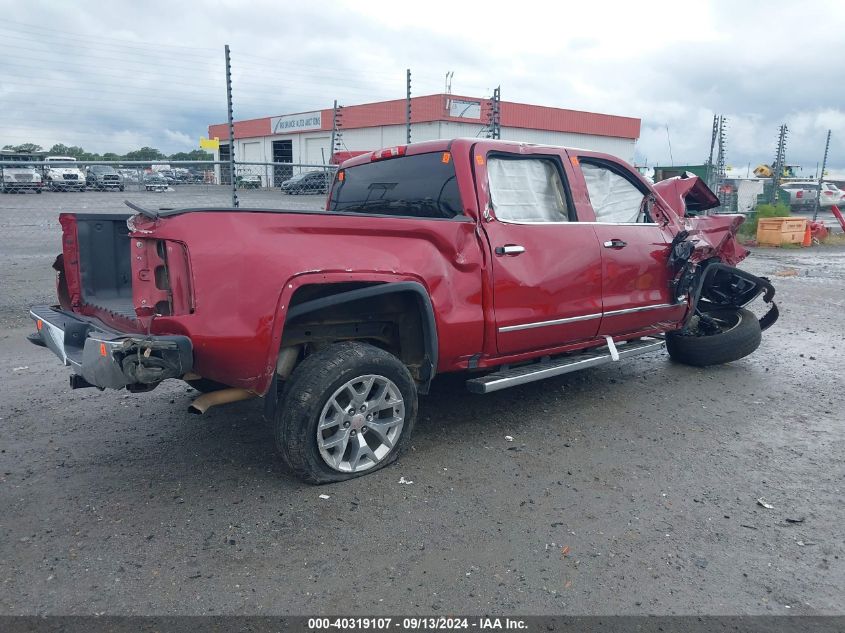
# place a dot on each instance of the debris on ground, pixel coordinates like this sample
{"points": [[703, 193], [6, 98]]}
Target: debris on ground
{"points": [[509, 438], [790, 520], [762, 502], [325, 497], [402, 480], [25, 367]]}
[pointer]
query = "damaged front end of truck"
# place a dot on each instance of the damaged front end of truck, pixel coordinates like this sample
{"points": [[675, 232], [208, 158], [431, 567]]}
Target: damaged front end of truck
{"points": [[704, 257]]}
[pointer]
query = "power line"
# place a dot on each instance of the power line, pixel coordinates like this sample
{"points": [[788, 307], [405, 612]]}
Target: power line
{"points": [[38, 27]]}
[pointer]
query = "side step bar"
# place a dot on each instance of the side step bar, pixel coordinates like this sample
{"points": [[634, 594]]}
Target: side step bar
{"points": [[561, 365]]}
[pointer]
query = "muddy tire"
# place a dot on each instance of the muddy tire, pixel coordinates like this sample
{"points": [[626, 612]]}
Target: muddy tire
{"points": [[204, 385], [739, 337], [346, 411]]}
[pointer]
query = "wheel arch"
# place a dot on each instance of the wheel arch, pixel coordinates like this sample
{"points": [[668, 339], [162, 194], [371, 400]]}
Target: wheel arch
{"points": [[406, 304]]}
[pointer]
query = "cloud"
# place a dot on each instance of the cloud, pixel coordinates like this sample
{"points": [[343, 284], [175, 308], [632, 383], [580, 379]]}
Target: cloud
{"points": [[111, 81]]}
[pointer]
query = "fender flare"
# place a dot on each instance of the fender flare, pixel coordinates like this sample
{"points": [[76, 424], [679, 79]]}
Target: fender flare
{"points": [[430, 341]]}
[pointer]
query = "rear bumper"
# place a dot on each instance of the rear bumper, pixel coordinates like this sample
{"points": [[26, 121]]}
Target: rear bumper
{"points": [[106, 358]]}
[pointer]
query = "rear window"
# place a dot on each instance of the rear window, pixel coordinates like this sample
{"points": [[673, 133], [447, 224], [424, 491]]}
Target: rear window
{"points": [[422, 186]]}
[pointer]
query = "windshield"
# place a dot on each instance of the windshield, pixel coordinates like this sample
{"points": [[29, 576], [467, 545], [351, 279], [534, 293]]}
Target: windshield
{"points": [[421, 186], [102, 169]]}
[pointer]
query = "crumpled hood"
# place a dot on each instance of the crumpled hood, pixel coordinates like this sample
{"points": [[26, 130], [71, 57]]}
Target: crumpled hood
{"points": [[687, 193], [712, 235], [715, 236]]}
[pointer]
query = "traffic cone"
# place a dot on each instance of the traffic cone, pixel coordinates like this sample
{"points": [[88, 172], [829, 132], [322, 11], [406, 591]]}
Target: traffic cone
{"points": [[808, 236]]}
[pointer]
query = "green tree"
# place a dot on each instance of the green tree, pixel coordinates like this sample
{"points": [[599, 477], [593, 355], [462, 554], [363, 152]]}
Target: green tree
{"points": [[196, 154], [25, 148], [145, 153], [74, 151]]}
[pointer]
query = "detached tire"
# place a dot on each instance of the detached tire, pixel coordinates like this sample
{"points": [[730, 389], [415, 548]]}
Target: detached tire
{"points": [[741, 336], [346, 411]]}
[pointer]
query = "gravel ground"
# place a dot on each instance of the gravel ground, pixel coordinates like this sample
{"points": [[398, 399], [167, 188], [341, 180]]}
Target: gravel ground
{"points": [[629, 488]]}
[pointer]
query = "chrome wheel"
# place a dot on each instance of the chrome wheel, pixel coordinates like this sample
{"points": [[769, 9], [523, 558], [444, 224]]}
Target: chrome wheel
{"points": [[360, 424]]}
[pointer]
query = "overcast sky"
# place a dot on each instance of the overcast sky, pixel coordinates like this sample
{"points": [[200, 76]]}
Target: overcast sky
{"points": [[115, 76]]}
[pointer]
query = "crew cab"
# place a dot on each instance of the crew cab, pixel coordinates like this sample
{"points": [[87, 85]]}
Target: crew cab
{"points": [[507, 261], [103, 177]]}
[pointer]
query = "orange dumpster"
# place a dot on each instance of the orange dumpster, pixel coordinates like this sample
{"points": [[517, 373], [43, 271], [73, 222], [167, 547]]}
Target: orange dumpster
{"points": [[779, 231]]}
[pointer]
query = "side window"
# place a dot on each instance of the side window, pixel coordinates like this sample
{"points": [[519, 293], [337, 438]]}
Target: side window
{"points": [[613, 197], [526, 190]]}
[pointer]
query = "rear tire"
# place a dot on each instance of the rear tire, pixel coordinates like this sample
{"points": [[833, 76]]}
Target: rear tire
{"points": [[346, 411], [740, 338]]}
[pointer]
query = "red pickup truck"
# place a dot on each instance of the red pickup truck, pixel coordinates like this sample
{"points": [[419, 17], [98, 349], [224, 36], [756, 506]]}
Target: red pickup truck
{"points": [[508, 261]]}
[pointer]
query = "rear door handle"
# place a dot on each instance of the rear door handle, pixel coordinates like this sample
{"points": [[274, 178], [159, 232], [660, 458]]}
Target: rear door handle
{"points": [[615, 244], [510, 249]]}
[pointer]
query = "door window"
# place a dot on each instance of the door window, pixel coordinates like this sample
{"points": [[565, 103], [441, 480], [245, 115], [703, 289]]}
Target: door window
{"points": [[614, 198], [526, 190]]}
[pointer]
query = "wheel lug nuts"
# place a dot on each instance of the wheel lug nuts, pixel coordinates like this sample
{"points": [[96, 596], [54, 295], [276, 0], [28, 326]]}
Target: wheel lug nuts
{"points": [[370, 417], [346, 424], [363, 408], [363, 429], [353, 432]]}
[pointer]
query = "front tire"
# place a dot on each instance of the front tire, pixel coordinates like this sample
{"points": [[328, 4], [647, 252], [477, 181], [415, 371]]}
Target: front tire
{"points": [[346, 411], [736, 334]]}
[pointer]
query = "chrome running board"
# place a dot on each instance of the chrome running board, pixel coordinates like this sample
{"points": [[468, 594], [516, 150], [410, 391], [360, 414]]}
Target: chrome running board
{"points": [[560, 365]]}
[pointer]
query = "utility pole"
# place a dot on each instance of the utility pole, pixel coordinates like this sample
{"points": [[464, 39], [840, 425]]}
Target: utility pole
{"points": [[494, 118], [821, 178], [721, 172], [408, 106], [711, 179], [337, 133], [780, 159], [448, 91], [235, 203], [669, 142]]}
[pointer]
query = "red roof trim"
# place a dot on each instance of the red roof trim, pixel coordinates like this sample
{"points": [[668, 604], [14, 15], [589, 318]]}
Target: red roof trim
{"points": [[433, 108]]}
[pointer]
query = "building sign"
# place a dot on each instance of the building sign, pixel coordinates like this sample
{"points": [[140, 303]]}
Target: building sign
{"points": [[292, 123], [465, 109]]}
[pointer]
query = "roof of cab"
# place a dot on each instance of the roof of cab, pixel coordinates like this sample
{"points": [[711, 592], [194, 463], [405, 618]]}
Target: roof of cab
{"points": [[442, 145]]}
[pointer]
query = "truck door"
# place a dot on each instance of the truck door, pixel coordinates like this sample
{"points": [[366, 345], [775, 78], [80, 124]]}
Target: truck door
{"points": [[634, 250], [546, 265]]}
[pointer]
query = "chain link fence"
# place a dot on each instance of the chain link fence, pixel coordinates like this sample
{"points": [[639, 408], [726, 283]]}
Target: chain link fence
{"points": [[196, 176]]}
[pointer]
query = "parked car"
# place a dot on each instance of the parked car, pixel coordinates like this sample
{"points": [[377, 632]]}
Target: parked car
{"points": [[509, 261], [155, 182], [803, 194], [248, 181], [129, 175], [309, 182], [63, 174], [20, 179], [102, 177]]}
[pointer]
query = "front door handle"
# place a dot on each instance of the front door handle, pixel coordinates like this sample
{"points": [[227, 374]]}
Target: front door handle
{"points": [[510, 249], [615, 244]]}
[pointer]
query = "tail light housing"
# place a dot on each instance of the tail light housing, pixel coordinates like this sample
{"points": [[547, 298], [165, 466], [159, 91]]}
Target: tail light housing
{"points": [[161, 279]]}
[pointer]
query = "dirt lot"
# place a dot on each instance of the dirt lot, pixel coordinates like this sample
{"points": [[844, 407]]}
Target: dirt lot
{"points": [[627, 489]]}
